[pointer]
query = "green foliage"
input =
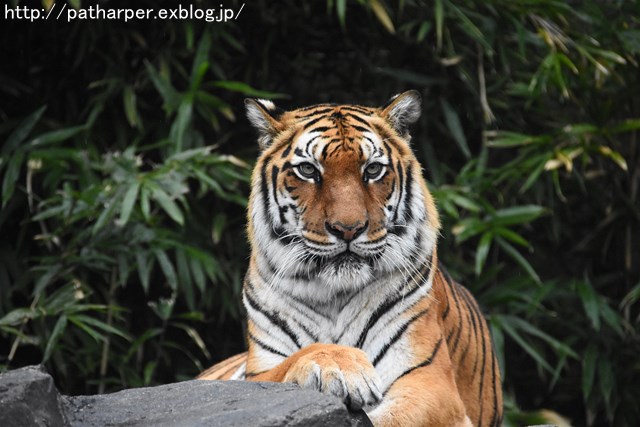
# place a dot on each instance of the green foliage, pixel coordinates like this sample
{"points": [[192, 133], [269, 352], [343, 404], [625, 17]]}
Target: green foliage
{"points": [[124, 181]]}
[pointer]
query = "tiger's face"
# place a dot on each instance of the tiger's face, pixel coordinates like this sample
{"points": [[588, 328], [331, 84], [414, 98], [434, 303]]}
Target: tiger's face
{"points": [[338, 199]]}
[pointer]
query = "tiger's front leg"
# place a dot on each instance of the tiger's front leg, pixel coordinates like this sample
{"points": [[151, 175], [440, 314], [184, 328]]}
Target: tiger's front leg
{"points": [[425, 396], [344, 372]]}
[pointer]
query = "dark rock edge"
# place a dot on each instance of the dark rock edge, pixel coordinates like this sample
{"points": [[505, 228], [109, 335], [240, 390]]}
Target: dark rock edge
{"points": [[28, 396]]}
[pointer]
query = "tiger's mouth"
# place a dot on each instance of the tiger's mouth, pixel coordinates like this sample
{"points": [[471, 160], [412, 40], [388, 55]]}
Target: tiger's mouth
{"points": [[351, 260], [343, 255]]}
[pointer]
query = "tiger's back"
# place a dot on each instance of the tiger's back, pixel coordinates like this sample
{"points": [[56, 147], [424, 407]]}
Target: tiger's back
{"points": [[344, 293]]}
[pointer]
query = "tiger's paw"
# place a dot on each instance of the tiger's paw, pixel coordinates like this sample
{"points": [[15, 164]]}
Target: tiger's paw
{"points": [[344, 372]]}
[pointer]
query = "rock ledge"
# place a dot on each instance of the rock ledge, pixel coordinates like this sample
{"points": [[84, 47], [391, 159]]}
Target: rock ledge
{"points": [[28, 396]]}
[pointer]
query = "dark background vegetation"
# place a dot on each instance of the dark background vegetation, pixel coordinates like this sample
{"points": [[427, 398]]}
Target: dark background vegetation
{"points": [[125, 158]]}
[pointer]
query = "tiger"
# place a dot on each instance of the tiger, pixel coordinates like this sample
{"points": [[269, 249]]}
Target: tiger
{"points": [[344, 293]]}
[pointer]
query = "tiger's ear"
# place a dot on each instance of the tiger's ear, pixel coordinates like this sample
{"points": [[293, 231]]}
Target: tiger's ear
{"points": [[263, 115], [403, 110]]}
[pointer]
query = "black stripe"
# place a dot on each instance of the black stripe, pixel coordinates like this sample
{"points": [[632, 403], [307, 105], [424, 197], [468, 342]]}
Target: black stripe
{"points": [[320, 129], [265, 346], [274, 318], [356, 109], [470, 316], [448, 282], [384, 133], [253, 374], [312, 122], [306, 330], [286, 151], [408, 213], [445, 314], [467, 346], [388, 148], [281, 235], [264, 190], [388, 305], [308, 146], [358, 119], [324, 151], [497, 387], [482, 372], [424, 363], [311, 107], [360, 128], [456, 341], [289, 144], [401, 330], [309, 307], [313, 113], [276, 234], [274, 188], [286, 166], [400, 170]]}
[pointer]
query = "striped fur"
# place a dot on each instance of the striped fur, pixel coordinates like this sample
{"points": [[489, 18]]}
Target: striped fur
{"points": [[344, 292]]}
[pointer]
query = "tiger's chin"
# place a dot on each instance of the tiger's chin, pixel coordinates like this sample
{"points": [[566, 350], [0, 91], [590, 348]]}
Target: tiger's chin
{"points": [[346, 272]]}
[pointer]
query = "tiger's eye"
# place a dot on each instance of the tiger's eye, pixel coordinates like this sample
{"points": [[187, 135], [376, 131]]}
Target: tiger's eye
{"points": [[307, 170], [373, 170]]}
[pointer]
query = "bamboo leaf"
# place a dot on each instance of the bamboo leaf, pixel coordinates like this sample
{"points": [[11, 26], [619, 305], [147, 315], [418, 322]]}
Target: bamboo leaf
{"points": [[168, 205], [106, 215], [511, 236], [17, 316], [524, 344], [167, 268], [11, 176], [87, 320], [382, 15], [200, 61], [438, 13], [57, 332], [170, 96], [21, 131], [181, 124], [149, 371], [245, 89], [482, 251], [464, 202], [128, 202], [424, 29], [518, 258], [50, 272], [56, 136], [505, 139], [468, 228], [341, 10], [144, 268], [516, 215], [590, 302], [615, 156], [130, 109], [589, 361], [455, 127], [97, 336]]}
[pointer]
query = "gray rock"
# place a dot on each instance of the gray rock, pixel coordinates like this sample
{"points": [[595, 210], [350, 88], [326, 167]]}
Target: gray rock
{"points": [[28, 397]]}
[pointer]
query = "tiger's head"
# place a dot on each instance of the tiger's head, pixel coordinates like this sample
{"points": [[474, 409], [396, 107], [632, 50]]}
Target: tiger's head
{"points": [[338, 200]]}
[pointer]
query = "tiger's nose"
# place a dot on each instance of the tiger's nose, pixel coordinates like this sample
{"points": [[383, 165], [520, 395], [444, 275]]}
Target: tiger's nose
{"points": [[344, 231]]}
